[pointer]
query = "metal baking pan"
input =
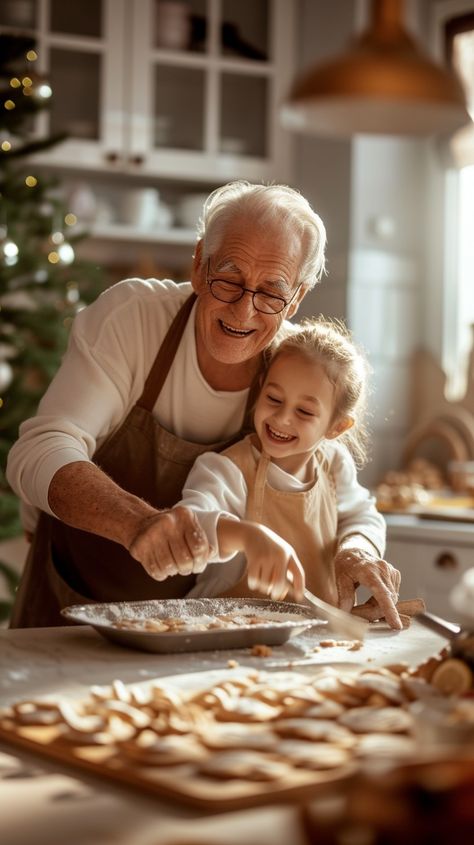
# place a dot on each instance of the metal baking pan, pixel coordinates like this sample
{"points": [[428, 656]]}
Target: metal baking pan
{"points": [[285, 620]]}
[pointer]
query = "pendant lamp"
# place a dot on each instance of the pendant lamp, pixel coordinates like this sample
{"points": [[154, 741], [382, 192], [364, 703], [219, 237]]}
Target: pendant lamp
{"points": [[382, 84]]}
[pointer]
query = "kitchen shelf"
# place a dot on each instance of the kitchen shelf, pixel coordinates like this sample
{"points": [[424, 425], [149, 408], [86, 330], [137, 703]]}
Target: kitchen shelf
{"points": [[122, 232]]}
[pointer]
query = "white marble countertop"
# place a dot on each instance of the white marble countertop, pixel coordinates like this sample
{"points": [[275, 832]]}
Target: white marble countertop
{"points": [[45, 803], [409, 526]]}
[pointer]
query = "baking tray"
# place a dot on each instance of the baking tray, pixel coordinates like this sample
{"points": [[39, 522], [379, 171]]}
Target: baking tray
{"points": [[285, 620]]}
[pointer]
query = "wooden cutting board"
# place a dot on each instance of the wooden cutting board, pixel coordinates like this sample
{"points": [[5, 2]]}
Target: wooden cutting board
{"points": [[178, 783]]}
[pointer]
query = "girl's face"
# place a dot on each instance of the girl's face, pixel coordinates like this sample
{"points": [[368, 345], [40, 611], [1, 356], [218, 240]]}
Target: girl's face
{"points": [[294, 410]]}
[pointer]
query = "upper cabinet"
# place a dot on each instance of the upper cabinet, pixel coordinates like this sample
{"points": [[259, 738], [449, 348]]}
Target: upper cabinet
{"points": [[185, 89]]}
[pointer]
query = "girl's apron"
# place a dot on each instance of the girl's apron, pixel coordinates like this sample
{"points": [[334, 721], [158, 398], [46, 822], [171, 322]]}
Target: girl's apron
{"points": [[68, 566], [306, 519]]}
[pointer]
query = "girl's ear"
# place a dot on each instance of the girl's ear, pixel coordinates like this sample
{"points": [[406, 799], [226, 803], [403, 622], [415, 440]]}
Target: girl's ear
{"points": [[340, 427]]}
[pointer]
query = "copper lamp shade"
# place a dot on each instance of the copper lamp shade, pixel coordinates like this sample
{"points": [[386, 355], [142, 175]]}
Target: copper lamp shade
{"points": [[382, 84]]}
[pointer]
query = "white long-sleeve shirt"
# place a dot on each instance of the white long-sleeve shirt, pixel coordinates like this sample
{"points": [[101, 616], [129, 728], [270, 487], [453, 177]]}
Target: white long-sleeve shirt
{"points": [[216, 487], [111, 349]]}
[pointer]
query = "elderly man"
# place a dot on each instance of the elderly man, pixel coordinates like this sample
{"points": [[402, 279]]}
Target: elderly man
{"points": [[155, 374]]}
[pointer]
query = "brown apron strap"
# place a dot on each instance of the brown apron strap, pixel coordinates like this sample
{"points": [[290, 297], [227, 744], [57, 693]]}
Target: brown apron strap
{"points": [[164, 358], [256, 494]]}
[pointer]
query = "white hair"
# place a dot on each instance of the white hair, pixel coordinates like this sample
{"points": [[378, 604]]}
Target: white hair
{"points": [[269, 205]]}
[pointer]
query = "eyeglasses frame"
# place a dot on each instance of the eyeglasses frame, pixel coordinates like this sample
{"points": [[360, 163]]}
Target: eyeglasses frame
{"points": [[245, 290]]}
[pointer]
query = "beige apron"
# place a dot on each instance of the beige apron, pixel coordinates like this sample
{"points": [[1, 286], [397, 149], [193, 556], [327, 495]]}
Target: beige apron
{"points": [[306, 519], [68, 566]]}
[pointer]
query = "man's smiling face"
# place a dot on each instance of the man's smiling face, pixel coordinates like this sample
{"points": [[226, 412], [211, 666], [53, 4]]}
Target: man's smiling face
{"points": [[262, 259]]}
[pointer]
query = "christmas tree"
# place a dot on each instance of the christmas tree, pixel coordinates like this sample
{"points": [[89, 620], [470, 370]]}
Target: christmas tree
{"points": [[42, 285]]}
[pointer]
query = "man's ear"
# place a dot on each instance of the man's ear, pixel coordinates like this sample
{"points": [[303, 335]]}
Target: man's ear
{"points": [[340, 427], [198, 274], [296, 302]]}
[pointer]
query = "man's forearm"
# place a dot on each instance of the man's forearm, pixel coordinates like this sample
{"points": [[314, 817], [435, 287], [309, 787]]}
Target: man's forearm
{"points": [[82, 495]]}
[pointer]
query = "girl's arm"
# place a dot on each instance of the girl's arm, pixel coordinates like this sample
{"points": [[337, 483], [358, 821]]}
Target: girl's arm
{"points": [[273, 567]]}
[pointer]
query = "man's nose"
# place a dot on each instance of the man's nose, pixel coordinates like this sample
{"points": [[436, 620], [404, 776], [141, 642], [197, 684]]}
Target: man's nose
{"points": [[244, 306]]}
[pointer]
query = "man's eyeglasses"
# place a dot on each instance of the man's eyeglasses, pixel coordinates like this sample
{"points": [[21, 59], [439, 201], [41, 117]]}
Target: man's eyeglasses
{"points": [[266, 303]]}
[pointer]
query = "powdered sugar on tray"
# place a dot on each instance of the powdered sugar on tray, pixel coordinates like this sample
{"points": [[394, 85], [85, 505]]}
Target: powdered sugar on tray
{"points": [[175, 625], [190, 613]]}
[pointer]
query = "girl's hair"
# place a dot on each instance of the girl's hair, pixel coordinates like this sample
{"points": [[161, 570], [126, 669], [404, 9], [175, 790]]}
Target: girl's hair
{"points": [[330, 343], [266, 205]]}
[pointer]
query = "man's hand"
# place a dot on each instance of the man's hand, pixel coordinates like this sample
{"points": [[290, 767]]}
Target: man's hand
{"points": [[170, 543], [357, 567]]}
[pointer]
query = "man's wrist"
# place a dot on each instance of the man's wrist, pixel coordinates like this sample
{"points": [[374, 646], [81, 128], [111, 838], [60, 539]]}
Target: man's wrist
{"points": [[358, 542]]}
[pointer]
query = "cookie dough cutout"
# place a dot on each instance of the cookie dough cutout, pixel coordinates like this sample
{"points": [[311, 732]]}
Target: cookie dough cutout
{"points": [[316, 730], [313, 755], [243, 765], [328, 709], [377, 720], [36, 713], [246, 710], [381, 745], [236, 736], [148, 749]]}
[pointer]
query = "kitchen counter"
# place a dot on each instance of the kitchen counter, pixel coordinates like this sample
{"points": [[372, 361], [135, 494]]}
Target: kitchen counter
{"points": [[46, 803]]}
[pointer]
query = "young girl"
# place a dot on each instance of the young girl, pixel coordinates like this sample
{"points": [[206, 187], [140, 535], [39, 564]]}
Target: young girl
{"points": [[272, 496]]}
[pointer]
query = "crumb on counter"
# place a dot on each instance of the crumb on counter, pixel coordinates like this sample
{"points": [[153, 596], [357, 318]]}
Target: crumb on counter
{"points": [[260, 650], [232, 664], [351, 645]]}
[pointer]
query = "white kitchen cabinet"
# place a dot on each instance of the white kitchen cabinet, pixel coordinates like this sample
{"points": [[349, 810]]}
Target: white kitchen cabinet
{"points": [[431, 556], [202, 110]]}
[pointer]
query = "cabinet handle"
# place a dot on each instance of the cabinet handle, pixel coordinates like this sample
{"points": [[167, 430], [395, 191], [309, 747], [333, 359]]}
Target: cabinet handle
{"points": [[137, 159], [112, 157], [446, 560]]}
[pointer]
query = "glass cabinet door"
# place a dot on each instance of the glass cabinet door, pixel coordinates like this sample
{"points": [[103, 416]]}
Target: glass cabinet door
{"points": [[179, 107], [79, 47], [19, 14], [182, 89], [207, 68], [245, 29]]}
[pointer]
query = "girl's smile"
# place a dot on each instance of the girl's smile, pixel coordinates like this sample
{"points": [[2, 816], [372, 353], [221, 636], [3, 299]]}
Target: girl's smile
{"points": [[294, 410]]}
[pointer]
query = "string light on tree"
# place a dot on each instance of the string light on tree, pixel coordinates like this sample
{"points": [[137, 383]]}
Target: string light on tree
{"points": [[6, 141], [64, 253], [43, 90], [8, 249], [72, 293], [6, 375]]}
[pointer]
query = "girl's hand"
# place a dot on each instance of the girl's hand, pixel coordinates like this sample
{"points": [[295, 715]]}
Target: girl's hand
{"points": [[358, 567], [171, 543], [273, 567]]}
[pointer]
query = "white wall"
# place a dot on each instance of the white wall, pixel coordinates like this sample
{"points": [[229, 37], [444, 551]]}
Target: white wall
{"points": [[371, 193]]}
